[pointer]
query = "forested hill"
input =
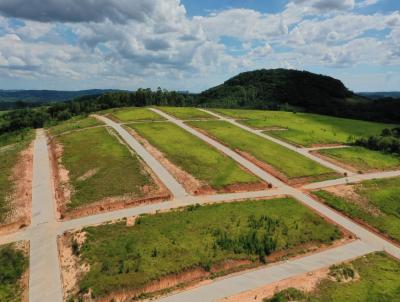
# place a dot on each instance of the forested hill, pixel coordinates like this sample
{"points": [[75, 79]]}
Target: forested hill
{"points": [[275, 87]]}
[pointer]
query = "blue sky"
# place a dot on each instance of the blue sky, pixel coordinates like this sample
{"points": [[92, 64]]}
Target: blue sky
{"points": [[193, 45]]}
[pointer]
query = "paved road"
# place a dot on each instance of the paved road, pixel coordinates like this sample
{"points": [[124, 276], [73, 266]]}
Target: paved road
{"points": [[225, 287], [176, 188], [303, 151]]}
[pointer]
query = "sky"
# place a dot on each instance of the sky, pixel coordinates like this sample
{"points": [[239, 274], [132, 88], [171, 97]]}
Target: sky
{"points": [[193, 45]]}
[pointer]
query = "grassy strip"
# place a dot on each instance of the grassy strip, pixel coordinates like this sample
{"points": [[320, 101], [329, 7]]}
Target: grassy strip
{"points": [[378, 281], [9, 157], [186, 113], [193, 155], [288, 162], [363, 159], [123, 257], [305, 128], [15, 137], [135, 115], [13, 263], [99, 167], [74, 123], [382, 194]]}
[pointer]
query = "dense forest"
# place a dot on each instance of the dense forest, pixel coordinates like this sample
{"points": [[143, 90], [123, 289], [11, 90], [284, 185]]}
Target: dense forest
{"points": [[276, 89]]}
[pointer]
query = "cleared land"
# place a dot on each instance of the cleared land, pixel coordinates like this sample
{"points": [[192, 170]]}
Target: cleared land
{"points": [[374, 277], [362, 159], [186, 113], [74, 123], [13, 266], [375, 202], [134, 115], [304, 128], [164, 250], [287, 162], [10, 192], [194, 156], [99, 167]]}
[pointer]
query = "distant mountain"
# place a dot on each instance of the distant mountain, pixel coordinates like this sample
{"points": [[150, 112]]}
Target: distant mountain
{"points": [[46, 96], [380, 94]]}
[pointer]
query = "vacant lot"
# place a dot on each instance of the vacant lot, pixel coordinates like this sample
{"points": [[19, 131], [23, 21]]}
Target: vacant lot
{"points": [[75, 123], [100, 167], [11, 156], [186, 113], [362, 159], [291, 164], [194, 156], [304, 128], [196, 241], [376, 202], [135, 115], [374, 277], [13, 264]]}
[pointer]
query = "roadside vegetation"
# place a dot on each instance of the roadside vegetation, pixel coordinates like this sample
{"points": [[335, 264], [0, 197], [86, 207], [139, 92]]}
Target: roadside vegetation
{"points": [[374, 277], [362, 159], [194, 156], [13, 263], [186, 113], [10, 149], [134, 115], [75, 123], [288, 162], [100, 166], [123, 258], [377, 204], [388, 141], [304, 128]]}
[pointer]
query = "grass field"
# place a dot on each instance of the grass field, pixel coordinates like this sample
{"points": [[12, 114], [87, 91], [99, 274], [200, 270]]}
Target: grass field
{"points": [[290, 163], [75, 123], [379, 206], [304, 128], [122, 257], [186, 113], [16, 137], [135, 115], [9, 155], [13, 263], [378, 281], [100, 166], [363, 159], [193, 155]]}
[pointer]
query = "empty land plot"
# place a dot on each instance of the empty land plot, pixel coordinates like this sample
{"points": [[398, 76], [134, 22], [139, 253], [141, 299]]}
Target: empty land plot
{"points": [[15, 178], [13, 272], [306, 129], [286, 164], [374, 202], [362, 159], [94, 166], [197, 158], [75, 123], [186, 113], [165, 250], [374, 277], [134, 115]]}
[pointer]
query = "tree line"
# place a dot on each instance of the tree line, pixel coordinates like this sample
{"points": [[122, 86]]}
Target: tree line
{"points": [[388, 141]]}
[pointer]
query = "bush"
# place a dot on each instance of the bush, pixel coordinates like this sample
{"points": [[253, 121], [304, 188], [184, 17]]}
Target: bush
{"points": [[287, 295]]}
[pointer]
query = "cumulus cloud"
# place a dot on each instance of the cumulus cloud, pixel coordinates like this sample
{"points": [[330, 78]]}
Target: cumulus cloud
{"points": [[327, 5]]}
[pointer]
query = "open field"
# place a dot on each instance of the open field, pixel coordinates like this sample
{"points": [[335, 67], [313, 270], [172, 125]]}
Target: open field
{"points": [[13, 276], [304, 128], [100, 167], [196, 242], [291, 164], [374, 277], [11, 192], [74, 123], [15, 137], [375, 202], [194, 156], [134, 115], [362, 159], [186, 113]]}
